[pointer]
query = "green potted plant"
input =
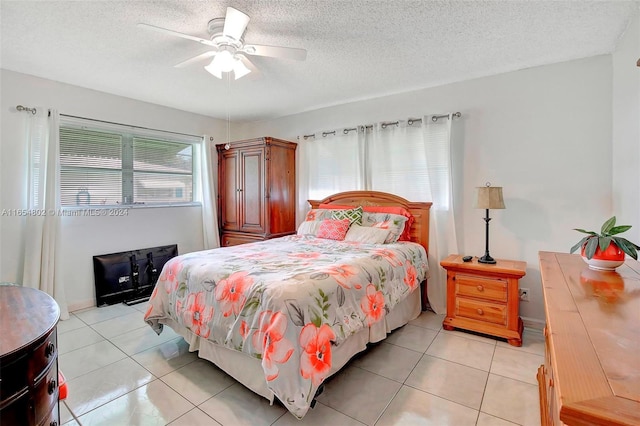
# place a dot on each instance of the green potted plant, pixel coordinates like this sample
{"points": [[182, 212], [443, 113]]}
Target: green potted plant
{"points": [[605, 250]]}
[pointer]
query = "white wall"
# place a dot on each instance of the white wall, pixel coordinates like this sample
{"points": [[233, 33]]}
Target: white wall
{"points": [[543, 134], [626, 131], [83, 237]]}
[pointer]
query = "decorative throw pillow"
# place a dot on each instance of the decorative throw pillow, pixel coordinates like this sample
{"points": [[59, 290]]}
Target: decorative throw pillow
{"points": [[353, 215], [406, 233], [333, 229], [366, 234], [318, 214], [394, 223], [309, 227]]}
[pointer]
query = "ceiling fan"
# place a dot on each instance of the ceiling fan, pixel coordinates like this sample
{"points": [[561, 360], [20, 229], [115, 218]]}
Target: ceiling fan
{"points": [[228, 48]]}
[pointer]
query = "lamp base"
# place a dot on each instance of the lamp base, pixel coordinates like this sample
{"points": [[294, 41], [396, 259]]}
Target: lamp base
{"points": [[487, 259]]}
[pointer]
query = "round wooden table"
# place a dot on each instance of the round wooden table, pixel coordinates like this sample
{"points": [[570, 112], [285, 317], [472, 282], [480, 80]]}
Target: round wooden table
{"points": [[28, 357]]}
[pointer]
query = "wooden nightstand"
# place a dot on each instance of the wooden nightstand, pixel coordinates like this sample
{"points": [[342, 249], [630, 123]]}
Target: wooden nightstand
{"points": [[484, 298]]}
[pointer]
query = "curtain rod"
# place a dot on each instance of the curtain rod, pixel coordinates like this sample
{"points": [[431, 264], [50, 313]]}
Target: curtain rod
{"points": [[384, 125], [33, 111], [23, 108], [130, 125]]}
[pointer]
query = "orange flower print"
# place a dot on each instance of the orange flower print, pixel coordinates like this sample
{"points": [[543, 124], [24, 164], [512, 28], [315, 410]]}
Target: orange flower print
{"points": [[312, 255], [244, 329], [411, 278], [230, 292], [315, 362], [342, 273], [311, 215], [372, 304], [389, 255], [170, 274], [197, 314], [270, 342], [382, 225]]}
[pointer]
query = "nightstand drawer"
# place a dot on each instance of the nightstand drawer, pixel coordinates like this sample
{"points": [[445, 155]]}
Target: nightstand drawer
{"points": [[482, 311], [481, 287]]}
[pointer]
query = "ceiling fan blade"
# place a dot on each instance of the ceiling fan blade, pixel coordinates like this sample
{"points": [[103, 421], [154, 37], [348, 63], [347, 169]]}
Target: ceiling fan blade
{"points": [[177, 34], [235, 23], [195, 59], [275, 51]]}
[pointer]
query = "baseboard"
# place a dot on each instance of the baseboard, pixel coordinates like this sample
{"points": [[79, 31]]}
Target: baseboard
{"points": [[73, 307], [533, 324]]}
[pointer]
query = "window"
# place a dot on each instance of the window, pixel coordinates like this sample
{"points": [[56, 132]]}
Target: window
{"points": [[106, 165]]}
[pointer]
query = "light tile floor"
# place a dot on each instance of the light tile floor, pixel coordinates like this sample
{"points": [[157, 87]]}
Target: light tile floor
{"points": [[119, 372]]}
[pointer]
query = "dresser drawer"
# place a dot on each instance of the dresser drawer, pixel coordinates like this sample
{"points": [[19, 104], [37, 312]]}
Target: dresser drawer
{"points": [[481, 311], [494, 289], [43, 355], [53, 419], [46, 393]]}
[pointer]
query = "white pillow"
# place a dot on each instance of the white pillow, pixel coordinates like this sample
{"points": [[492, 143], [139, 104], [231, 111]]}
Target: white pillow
{"points": [[366, 234], [309, 227]]}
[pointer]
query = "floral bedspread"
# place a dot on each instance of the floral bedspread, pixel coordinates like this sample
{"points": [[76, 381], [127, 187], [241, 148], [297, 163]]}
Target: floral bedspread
{"points": [[286, 301]]}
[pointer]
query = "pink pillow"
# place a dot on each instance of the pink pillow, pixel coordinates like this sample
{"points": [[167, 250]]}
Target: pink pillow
{"points": [[333, 229], [406, 232]]}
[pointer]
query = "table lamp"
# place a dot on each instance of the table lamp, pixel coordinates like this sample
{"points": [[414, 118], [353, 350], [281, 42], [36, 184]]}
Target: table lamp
{"points": [[488, 197]]}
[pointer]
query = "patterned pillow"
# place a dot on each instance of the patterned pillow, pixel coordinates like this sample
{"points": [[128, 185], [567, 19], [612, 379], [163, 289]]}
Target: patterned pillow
{"points": [[354, 215], [333, 229], [319, 214], [366, 234], [394, 223]]}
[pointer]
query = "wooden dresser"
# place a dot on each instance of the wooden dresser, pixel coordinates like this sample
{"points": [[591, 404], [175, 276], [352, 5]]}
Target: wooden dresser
{"points": [[591, 374], [28, 357], [483, 297], [256, 190]]}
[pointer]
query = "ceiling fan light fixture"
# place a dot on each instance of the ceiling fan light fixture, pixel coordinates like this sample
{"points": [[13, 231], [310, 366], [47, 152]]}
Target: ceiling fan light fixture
{"points": [[240, 69], [213, 69], [224, 61]]}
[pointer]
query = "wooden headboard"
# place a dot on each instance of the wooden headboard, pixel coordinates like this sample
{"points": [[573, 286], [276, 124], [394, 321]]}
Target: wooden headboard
{"points": [[419, 230]]}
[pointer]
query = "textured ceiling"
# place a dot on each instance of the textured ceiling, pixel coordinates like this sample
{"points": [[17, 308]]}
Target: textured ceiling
{"points": [[356, 49]]}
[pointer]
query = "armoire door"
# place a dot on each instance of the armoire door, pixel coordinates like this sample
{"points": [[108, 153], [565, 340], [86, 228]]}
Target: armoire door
{"points": [[229, 190], [252, 190]]}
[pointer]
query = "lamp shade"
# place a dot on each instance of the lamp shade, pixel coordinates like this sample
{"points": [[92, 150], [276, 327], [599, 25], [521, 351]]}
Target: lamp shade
{"points": [[489, 197]]}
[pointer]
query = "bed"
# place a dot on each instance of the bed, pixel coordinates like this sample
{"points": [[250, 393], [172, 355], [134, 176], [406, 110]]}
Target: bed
{"points": [[283, 315]]}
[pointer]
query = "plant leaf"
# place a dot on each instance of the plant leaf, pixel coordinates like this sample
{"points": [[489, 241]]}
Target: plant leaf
{"points": [[606, 227], [584, 232], [340, 296], [579, 245], [603, 243], [295, 313], [591, 247], [619, 229], [626, 246]]}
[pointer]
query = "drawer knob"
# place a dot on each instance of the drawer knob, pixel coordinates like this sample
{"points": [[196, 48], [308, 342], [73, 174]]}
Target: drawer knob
{"points": [[480, 311], [50, 349], [480, 288], [53, 423], [51, 388]]}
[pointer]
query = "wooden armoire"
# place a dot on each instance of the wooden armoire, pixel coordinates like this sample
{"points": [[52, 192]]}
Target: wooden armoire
{"points": [[256, 190]]}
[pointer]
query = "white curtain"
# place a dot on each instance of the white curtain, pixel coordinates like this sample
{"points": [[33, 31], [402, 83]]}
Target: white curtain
{"points": [[442, 234], [330, 162], [413, 160], [42, 265], [207, 194], [409, 159]]}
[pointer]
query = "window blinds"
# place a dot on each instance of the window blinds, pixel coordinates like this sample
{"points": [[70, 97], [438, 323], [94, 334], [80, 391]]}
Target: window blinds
{"points": [[116, 165]]}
